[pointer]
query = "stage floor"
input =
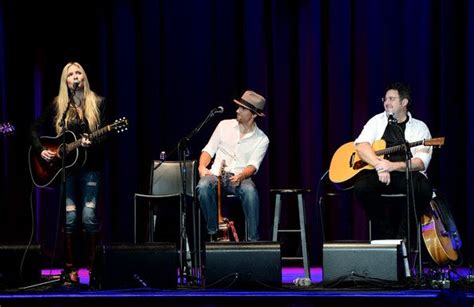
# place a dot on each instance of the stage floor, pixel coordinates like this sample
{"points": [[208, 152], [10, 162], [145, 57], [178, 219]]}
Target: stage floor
{"points": [[459, 293]]}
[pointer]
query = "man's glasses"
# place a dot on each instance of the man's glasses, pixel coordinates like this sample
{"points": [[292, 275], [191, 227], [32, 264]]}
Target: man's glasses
{"points": [[391, 98]]}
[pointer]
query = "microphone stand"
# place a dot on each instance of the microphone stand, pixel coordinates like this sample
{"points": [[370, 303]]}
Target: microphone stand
{"points": [[62, 189], [410, 192], [188, 137], [63, 152], [183, 153]]}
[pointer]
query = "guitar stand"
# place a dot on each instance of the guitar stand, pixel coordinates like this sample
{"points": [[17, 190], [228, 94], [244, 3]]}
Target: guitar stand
{"points": [[223, 232]]}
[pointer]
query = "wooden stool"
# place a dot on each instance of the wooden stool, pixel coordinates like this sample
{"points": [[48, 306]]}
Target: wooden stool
{"points": [[388, 197]]}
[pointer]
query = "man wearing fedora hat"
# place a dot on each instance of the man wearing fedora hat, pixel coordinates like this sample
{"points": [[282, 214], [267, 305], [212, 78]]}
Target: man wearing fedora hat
{"points": [[239, 146]]}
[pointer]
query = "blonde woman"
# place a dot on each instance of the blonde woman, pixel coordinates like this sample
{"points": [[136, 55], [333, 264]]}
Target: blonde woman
{"points": [[75, 112]]}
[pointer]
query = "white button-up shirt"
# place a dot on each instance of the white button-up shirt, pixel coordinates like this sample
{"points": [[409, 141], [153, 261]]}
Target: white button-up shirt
{"points": [[237, 152], [415, 130]]}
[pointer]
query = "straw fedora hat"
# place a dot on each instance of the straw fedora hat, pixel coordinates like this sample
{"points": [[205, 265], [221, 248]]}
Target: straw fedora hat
{"points": [[252, 101]]}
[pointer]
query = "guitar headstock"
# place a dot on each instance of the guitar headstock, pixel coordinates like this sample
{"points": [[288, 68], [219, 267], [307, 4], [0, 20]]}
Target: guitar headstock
{"points": [[221, 169], [434, 142], [7, 128], [120, 125]]}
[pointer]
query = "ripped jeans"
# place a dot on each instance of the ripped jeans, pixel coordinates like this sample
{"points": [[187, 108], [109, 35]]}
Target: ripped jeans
{"points": [[82, 191]]}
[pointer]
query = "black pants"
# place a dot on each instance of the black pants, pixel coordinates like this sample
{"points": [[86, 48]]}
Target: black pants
{"points": [[388, 216]]}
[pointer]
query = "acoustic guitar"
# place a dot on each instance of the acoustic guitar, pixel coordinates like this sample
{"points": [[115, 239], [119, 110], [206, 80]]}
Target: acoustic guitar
{"points": [[224, 224], [220, 219], [43, 173], [439, 232], [7, 129], [346, 163]]}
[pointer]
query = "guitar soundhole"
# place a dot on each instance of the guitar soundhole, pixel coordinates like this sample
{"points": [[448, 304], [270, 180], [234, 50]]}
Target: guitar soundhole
{"points": [[359, 164], [60, 151], [351, 160]]}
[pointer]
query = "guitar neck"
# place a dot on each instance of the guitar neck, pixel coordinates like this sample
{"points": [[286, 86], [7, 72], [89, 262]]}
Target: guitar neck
{"points": [[92, 136], [396, 148]]}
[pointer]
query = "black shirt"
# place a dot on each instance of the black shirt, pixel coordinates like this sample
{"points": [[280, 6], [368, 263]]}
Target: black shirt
{"points": [[394, 135]]}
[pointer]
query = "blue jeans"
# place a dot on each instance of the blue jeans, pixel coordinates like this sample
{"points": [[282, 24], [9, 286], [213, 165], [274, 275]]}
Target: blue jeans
{"points": [[246, 192], [82, 191]]}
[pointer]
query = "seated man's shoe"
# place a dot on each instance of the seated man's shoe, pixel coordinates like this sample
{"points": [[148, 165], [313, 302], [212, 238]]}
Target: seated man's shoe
{"points": [[213, 237]]}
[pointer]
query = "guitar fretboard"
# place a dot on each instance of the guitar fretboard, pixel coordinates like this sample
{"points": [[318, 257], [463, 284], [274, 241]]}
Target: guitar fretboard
{"points": [[396, 148], [92, 136]]}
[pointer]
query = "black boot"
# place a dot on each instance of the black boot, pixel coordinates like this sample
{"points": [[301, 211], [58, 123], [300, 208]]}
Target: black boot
{"points": [[70, 273], [92, 239]]}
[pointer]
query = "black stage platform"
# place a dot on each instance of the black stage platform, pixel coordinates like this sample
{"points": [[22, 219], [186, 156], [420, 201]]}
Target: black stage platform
{"points": [[352, 292]]}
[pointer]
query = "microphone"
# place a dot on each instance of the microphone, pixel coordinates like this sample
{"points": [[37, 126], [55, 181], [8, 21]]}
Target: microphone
{"points": [[72, 91], [219, 109], [391, 119]]}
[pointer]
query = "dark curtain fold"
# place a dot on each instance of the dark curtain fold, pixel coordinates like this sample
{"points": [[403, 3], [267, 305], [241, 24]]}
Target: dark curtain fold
{"points": [[323, 66]]}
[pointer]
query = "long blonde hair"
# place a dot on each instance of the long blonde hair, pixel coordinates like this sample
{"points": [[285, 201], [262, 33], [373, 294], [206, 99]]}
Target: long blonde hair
{"points": [[91, 104]]}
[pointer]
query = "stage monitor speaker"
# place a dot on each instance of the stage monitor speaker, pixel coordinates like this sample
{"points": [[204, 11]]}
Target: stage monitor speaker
{"points": [[346, 260], [145, 265], [242, 264], [10, 262]]}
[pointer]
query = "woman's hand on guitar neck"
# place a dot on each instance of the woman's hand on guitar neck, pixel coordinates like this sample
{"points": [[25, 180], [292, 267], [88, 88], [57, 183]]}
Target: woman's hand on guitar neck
{"points": [[85, 142]]}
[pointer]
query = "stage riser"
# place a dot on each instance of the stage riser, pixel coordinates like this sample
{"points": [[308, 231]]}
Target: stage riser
{"points": [[10, 261], [373, 261], [123, 266], [242, 264]]}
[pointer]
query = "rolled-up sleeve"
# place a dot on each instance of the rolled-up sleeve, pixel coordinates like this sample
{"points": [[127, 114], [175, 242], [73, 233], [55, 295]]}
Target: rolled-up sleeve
{"points": [[259, 153], [372, 130], [421, 132], [213, 143]]}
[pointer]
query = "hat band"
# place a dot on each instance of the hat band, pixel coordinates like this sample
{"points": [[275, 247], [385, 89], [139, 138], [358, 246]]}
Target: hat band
{"points": [[249, 105]]}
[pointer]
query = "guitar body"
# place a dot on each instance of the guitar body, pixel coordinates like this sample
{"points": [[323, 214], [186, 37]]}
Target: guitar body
{"points": [[346, 164], [44, 173], [442, 243]]}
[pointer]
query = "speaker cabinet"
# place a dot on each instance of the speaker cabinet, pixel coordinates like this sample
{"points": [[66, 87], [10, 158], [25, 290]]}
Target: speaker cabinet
{"points": [[11, 263], [242, 264], [120, 266], [383, 261]]}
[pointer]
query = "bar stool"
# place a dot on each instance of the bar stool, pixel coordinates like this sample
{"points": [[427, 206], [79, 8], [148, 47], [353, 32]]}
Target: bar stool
{"points": [[302, 228], [389, 197]]}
